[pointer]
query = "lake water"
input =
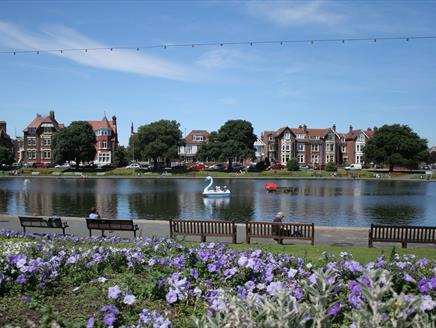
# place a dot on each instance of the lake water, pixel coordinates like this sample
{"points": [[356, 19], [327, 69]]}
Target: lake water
{"points": [[323, 202]]}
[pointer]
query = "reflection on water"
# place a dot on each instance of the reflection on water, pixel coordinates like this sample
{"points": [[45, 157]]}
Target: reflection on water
{"points": [[333, 202]]}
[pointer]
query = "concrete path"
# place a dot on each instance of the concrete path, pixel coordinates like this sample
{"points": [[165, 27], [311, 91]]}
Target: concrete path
{"points": [[334, 236]]}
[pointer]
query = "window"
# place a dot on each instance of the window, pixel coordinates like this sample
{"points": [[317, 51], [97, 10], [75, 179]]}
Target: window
{"points": [[287, 135], [330, 158], [315, 158], [104, 157], [301, 136], [46, 154], [32, 130], [47, 129], [31, 155], [300, 158], [271, 148], [358, 159], [198, 137], [31, 142], [103, 144], [359, 148], [104, 132], [300, 147], [188, 149], [45, 142], [344, 149], [330, 147], [314, 137], [270, 138], [361, 137], [314, 147]]}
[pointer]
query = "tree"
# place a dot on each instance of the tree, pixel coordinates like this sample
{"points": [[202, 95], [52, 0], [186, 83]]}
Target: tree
{"points": [[292, 165], [233, 141], [157, 140], [74, 143], [395, 145], [331, 167], [120, 156], [6, 156]]}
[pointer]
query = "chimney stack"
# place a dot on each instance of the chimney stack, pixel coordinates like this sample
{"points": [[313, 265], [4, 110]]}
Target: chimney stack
{"points": [[304, 128], [334, 127], [351, 128], [114, 120], [52, 115]]}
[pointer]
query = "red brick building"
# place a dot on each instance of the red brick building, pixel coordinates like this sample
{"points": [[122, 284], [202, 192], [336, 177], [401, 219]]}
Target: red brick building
{"points": [[192, 141], [107, 140], [352, 145], [37, 139], [306, 145]]}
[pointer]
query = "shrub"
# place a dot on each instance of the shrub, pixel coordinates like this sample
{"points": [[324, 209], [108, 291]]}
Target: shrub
{"points": [[331, 167], [292, 165]]}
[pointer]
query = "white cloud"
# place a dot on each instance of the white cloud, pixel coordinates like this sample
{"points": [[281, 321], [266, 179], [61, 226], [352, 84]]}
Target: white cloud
{"points": [[292, 13], [59, 37]]}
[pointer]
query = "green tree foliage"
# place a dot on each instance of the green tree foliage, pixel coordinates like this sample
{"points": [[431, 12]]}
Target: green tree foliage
{"points": [[331, 167], [6, 156], [157, 140], [120, 156], [395, 145], [74, 143], [292, 165], [233, 141]]}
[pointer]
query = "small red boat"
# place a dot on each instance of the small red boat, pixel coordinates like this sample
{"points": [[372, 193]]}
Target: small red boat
{"points": [[271, 187]]}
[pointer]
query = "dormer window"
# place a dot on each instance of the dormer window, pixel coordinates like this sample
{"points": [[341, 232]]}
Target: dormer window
{"points": [[361, 137], [301, 136], [32, 130], [287, 135], [104, 132], [197, 137]]}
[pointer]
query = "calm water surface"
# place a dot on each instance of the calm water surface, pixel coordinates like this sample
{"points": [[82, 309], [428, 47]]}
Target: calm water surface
{"points": [[323, 202]]}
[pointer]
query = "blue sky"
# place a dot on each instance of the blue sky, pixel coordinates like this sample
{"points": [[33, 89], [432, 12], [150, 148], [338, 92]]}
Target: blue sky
{"points": [[365, 84]]}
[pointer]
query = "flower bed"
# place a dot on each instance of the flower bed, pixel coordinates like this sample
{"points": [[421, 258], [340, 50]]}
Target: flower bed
{"points": [[160, 283]]}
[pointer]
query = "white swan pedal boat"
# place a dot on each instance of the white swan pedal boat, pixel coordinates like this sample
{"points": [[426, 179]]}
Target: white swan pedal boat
{"points": [[215, 192]]}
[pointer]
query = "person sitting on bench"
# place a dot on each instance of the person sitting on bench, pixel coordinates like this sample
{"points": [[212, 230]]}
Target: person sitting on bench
{"points": [[95, 215]]}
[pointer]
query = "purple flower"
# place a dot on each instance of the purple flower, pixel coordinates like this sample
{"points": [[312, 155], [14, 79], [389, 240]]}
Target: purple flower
{"points": [[90, 322], [21, 279], [26, 299], [211, 268], [129, 299], [110, 308], [114, 292], [194, 273], [423, 285], [171, 297], [109, 319], [334, 310]]}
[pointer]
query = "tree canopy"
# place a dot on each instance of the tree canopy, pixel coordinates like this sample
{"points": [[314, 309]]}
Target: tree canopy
{"points": [[120, 156], [233, 141], [157, 140], [74, 143], [6, 156], [395, 145]]}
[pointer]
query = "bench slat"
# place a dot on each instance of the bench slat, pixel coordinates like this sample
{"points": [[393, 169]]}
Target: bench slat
{"points": [[203, 228], [280, 231]]}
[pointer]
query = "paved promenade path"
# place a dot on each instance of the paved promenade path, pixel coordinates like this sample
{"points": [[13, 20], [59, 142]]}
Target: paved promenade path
{"points": [[333, 236]]}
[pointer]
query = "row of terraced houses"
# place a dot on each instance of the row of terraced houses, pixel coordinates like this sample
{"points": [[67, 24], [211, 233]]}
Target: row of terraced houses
{"points": [[311, 146]]}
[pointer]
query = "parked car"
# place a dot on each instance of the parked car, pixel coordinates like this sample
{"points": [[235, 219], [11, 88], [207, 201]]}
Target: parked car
{"points": [[354, 167], [236, 167], [277, 167], [216, 167], [17, 165], [133, 166], [253, 168], [304, 167], [198, 166], [62, 166]]}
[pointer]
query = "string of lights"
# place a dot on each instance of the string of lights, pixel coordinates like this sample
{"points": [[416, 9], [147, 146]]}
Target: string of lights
{"points": [[219, 44]]}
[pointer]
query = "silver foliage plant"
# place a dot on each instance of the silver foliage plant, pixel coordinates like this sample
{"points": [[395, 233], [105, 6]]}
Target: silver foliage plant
{"points": [[378, 306]]}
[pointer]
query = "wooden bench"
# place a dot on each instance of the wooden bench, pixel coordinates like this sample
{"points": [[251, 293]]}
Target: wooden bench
{"points": [[401, 234], [108, 224], [40, 222], [203, 229], [280, 231]]}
